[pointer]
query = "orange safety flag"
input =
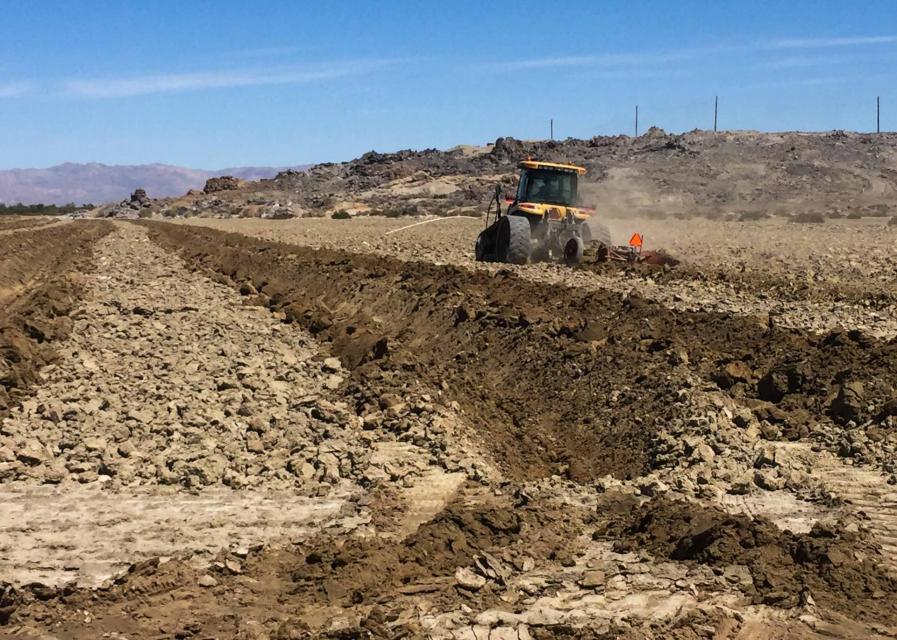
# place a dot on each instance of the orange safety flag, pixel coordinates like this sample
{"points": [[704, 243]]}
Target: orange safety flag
{"points": [[635, 240]]}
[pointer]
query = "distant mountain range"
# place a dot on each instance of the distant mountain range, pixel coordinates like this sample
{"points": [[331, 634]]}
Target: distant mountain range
{"points": [[100, 183]]}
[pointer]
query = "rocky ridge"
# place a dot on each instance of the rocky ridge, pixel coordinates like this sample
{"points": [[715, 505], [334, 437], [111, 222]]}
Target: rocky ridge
{"points": [[746, 175]]}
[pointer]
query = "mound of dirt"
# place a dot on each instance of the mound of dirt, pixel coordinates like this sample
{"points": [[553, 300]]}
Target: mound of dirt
{"points": [[808, 218], [832, 565], [467, 554], [363, 570], [40, 269], [839, 375]]}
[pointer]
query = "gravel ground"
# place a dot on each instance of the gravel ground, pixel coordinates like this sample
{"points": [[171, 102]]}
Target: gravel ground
{"points": [[156, 358], [253, 440], [169, 384]]}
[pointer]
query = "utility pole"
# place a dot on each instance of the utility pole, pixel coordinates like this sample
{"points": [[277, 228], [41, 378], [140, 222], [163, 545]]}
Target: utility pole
{"points": [[877, 114], [636, 121], [552, 128], [715, 110]]}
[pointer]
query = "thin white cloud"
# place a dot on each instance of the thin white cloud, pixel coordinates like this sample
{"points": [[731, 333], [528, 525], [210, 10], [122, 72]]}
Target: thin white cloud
{"points": [[15, 89], [203, 80], [813, 43], [601, 60], [798, 62], [813, 82], [268, 51], [659, 58], [632, 74]]}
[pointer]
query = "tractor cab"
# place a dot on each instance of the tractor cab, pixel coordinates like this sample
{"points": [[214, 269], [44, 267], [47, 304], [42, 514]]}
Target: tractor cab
{"points": [[548, 190], [549, 183]]}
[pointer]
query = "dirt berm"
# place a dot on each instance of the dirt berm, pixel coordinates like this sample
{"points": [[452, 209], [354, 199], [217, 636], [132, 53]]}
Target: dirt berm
{"points": [[832, 566], [556, 380], [39, 270]]}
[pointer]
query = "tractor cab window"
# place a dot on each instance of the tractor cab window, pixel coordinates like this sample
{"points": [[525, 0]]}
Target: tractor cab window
{"points": [[550, 187]]}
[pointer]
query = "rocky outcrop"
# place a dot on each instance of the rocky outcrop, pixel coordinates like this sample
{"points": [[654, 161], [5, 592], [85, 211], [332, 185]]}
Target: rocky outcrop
{"points": [[698, 173], [222, 183]]}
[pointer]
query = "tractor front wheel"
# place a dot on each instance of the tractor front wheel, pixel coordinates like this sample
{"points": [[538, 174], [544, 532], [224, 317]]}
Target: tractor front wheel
{"points": [[514, 240]]}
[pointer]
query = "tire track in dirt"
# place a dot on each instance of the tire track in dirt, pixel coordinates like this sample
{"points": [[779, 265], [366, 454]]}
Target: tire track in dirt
{"points": [[850, 490], [868, 492], [59, 535]]}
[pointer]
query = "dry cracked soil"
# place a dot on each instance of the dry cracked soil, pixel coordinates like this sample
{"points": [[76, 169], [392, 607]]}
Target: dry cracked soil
{"points": [[347, 429]]}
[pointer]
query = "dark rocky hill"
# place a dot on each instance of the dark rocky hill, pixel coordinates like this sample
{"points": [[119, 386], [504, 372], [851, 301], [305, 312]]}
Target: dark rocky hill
{"points": [[739, 173]]}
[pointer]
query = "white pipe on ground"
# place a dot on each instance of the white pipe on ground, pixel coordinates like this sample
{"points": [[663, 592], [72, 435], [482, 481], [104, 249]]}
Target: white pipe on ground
{"points": [[417, 224]]}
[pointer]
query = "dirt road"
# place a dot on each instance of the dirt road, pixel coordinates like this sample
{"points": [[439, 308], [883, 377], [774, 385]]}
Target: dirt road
{"points": [[245, 438]]}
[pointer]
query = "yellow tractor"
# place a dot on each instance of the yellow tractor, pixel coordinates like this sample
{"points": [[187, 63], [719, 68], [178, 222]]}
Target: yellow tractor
{"points": [[545, 220]]}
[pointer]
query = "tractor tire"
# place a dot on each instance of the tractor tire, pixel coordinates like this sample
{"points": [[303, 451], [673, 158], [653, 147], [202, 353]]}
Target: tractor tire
{"points": [[479, 249], [514, 240], [573, 250]]}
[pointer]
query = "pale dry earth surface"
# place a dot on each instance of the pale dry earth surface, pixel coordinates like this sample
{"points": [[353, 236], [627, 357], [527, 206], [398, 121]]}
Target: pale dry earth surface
{"points": [[240, 438], [12, 224]]}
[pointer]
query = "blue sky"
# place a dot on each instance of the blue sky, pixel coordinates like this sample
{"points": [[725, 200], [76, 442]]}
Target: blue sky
{"points": [[216, 84]]}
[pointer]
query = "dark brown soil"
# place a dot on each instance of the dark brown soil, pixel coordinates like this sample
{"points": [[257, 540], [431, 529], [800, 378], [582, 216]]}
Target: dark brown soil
{"points": [[378, 571], [40, 270], [833, 567], [558, 380], [372, 580], [358, 571]]}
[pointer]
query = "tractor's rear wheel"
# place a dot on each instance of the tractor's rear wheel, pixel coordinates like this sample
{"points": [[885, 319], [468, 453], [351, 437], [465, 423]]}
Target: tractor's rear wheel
{"points": [[514, 240], [573, 250], [479, 250]]}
